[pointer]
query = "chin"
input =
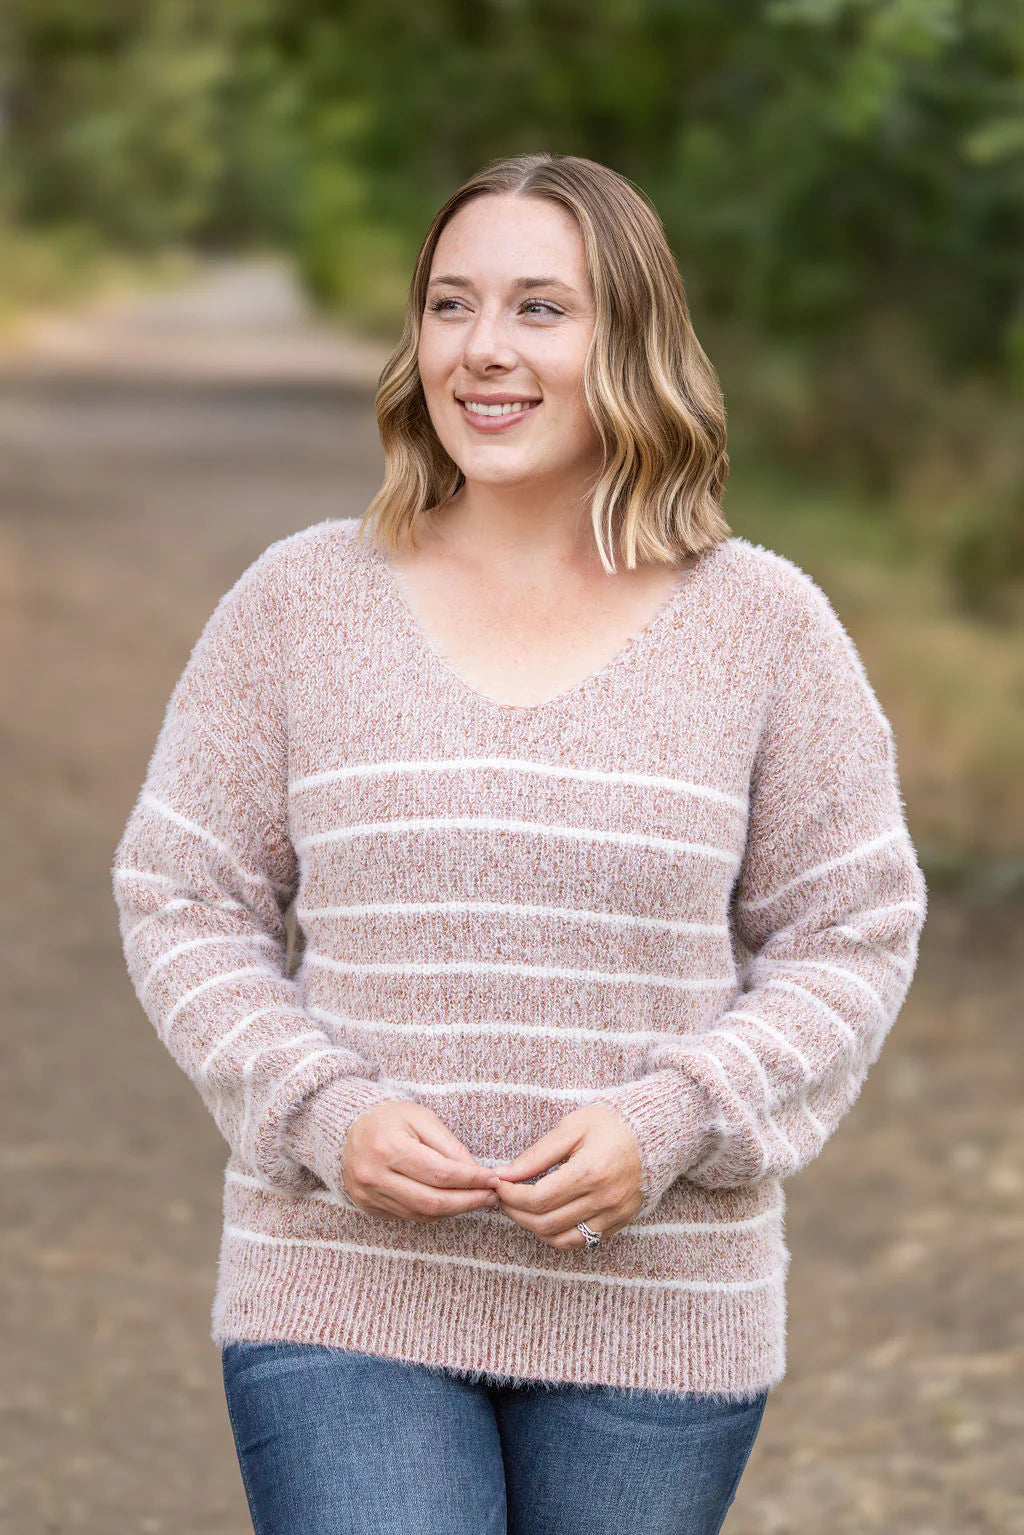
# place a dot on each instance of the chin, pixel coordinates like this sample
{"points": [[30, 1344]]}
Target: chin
{"points": [[510, 474]]}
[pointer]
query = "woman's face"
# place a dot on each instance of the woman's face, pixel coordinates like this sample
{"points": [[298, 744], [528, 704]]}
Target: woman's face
{"points": [[508, 317]]}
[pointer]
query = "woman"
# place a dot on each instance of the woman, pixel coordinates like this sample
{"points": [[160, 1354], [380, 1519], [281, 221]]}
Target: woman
{"points": [[592, 822]]}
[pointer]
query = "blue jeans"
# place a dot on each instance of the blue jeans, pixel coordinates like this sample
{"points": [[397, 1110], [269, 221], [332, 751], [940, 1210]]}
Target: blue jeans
{"points": [[332, 1441]]}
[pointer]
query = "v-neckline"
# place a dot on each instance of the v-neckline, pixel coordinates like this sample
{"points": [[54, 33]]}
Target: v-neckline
{"points": [[688, 584]]}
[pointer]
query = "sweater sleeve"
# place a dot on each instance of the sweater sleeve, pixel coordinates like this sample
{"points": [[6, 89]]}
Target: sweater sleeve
{"points": [[827, 908], [202, 877]]}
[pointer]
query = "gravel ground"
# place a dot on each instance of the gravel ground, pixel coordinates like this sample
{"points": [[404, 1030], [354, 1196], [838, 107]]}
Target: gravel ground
{"points": [[130, 502]]}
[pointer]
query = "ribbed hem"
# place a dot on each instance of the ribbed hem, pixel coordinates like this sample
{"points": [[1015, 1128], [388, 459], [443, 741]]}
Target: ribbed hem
{"points": [[500, 1322]]}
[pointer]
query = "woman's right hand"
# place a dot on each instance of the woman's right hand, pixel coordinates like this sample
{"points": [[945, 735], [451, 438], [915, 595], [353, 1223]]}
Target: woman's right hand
{"points": [[399, 1159]]}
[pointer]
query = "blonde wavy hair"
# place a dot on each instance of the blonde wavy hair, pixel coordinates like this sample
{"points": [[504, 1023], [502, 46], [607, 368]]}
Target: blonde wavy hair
{"points": [[652, 393]]}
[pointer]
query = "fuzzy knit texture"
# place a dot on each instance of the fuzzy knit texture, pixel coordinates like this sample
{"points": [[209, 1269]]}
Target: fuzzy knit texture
{"points": [[683, 888]]}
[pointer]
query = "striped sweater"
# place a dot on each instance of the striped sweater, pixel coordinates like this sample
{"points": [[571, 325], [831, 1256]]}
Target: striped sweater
{"points": [[683, 888]]}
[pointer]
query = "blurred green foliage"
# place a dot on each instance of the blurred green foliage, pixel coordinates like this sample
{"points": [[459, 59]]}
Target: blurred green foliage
{"points": [[842, 182], [812, 159], [984, 554]]}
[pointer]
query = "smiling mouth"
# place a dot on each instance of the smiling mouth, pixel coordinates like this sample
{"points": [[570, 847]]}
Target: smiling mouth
{"points": [[497, 415]]}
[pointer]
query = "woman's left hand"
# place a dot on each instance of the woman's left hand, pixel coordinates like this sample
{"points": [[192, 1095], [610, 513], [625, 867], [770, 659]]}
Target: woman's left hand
{"points": [[599, 1180]]}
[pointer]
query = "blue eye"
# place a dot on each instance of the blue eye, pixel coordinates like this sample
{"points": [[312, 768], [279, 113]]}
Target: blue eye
{"points": [[440, 304]]}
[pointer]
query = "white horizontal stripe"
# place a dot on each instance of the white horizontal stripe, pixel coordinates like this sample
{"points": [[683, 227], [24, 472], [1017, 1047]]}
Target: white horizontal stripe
{"points": [[730, 1086], [748, 1115], [437, 1088], [875, 911], [778, 1036], [809, 996], [147, 797], [905, 966], [652, 1037], [802, 1106], [314, 1055], [781, 1135], [526, 1271], [180, 901], [821, 1129], [241, 1025], [515, 1030], [247, 1071], [169, 955], [652, 1229], [287, 1044], [215, 980], [516, 765], [730, 1036], [496, 1088], [773, 1127], [844, 974], [512, 967], [519, 909], [897, 834], [124, 871], [532, 828]]}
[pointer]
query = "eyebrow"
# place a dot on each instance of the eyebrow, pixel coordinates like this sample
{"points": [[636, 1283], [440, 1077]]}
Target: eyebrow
{"points": [[452, 280]]}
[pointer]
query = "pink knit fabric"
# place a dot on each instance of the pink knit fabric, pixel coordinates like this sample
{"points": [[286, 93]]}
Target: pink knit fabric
{"points": [[684, 888]]}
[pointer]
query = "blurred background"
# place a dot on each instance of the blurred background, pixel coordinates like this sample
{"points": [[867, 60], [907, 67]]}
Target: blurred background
{"points": [[208, 219]]}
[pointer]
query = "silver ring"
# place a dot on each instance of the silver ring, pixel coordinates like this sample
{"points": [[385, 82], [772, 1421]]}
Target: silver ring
{"points": [[592, 1238]]}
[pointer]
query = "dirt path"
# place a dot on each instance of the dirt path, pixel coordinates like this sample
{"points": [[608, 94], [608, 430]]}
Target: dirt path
{"points": [[134, 493]]}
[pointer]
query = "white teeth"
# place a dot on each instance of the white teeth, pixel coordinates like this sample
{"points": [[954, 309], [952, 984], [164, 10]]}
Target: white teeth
{"points": [[497, 410]]}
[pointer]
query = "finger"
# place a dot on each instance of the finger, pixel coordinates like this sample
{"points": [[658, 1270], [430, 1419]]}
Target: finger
{"points": [[439, 1168], [560, 1228], [555, 1146], [424, 1147], [572, 1179], [414, 1200]]}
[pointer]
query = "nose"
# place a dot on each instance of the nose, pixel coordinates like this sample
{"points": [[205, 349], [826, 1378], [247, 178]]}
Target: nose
{"points": [[488, 343]]}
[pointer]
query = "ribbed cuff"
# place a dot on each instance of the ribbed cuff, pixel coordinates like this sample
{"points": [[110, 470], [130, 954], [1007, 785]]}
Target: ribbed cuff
{"points": [[316, 1135], [671, 1118]]}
